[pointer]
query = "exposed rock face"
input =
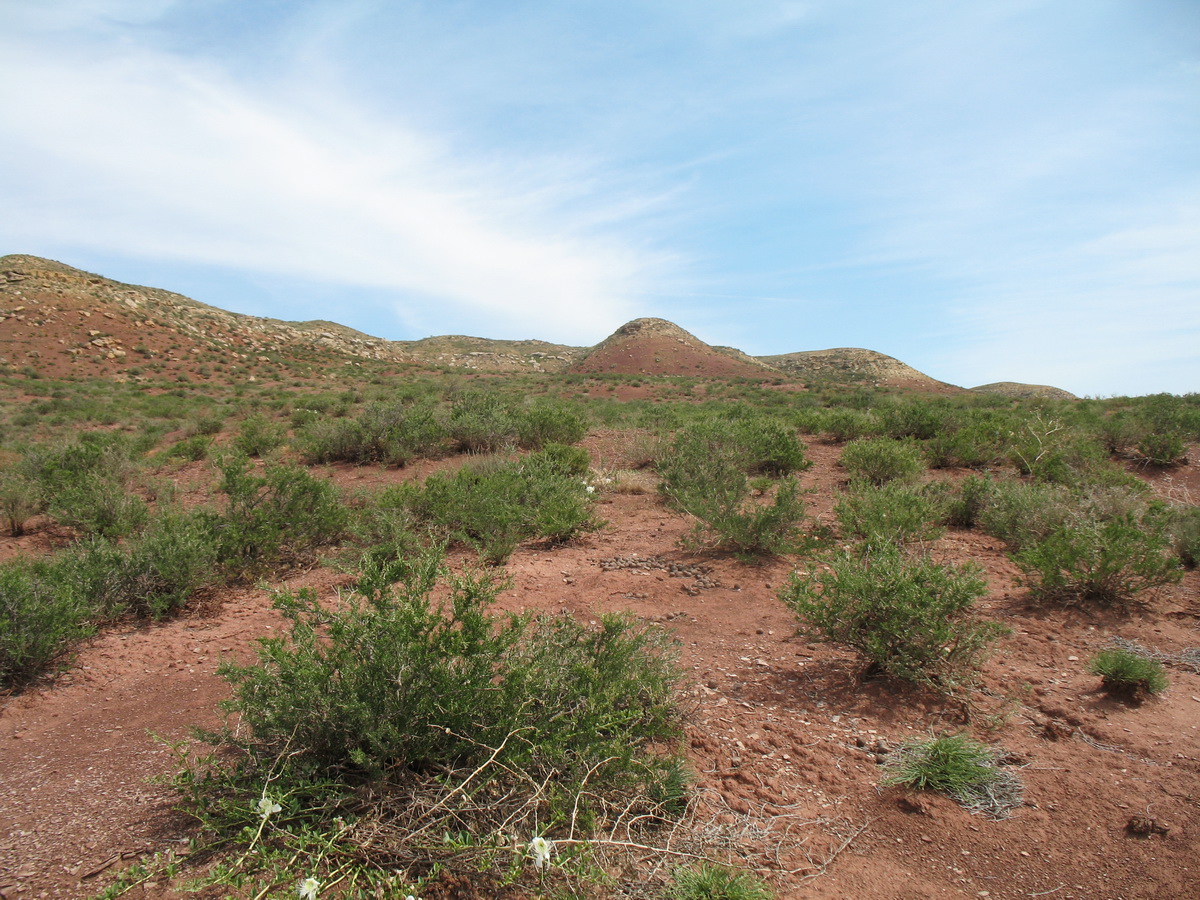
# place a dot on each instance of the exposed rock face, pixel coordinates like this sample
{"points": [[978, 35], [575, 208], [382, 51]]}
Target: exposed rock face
{"points": [[659, 347], [486, 355], [852, 364], [1024, 391]]}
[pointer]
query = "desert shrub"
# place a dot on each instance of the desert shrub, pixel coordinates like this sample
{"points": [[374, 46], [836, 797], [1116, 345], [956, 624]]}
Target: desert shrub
{"points": [[391, 434], [149, 575], [848, 424], [965, 506], [891, 514], [205, 425], [708, 881], [918, 419], [395, 686], [1159, 449], [1129, 674], [908, 616], [84, 484], [20, 500], [880, 460], [274, 520], [494, 505], [768, 446], [1094, 561], [1185, 534], [980, 439], [705, 477], [549, 423], [959, 767], [258, 436], [1021, 513], [483, 423], [192, 448], [38, 621]]}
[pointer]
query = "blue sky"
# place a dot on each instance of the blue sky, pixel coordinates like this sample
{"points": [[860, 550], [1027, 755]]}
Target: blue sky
{"points": [[987, 190]]}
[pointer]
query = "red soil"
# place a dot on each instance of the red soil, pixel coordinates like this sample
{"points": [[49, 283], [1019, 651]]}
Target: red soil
{"points": [[783, 736]]}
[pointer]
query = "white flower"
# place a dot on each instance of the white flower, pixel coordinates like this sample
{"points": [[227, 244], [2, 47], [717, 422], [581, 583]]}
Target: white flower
{"points": [[266, 806], [309, 888], [540, 849], [590, 489]]}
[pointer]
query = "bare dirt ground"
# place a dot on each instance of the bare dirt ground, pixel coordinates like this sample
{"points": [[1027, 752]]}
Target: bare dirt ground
{"points": [[785, 737]]}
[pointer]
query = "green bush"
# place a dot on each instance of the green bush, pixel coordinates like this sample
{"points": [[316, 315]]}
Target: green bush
{"points": [[274, 520], [483, 423], [980, 439], [1162, 449], [549, 423], [880, 460], [1129, 674], [891, 514], [390, 434], [909, 617], [258, 436], [38, 621], [848, 424], [1021, 513], [968, 502], [959, 767], [84, 484], [493, 505], [704, 476], [20, 500], [150, 575], [193, 448], [1185, 534], [1094, 561], [392, 683]]}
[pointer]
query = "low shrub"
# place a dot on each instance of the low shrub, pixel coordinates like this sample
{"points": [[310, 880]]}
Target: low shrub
{"points": [[705, 477], [258, 436], [891, 514], [1160, 449], [84, 484], [1185, 534], [965, 506], [483, 423], [959, 767], [1106, 562], [1021, 513], [432, 726], [848, 424], [391, 434], [20, 500], [880, 460], [39, 622], [274, 520], [909, 617], [1129, 674], [192, 448], [549, 423], [493, 505]]}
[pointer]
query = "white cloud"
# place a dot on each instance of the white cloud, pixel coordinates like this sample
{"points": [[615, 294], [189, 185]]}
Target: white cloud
{"points": [[126, 149]]}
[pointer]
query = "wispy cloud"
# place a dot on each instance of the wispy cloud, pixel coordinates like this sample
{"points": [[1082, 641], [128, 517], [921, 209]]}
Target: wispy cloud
{"points": [[158, 155]]}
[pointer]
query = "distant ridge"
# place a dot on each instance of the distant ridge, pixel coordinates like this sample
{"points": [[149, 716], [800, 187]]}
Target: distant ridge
{"points": [[853, 364], [658, 347], [1024, 391], [60, 320]]}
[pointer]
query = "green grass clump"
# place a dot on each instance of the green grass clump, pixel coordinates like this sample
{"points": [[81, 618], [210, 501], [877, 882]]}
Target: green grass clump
{"points": [[708, 881], [959, 767], [389, 434], [909, 617], [880, 460], [1129, 674]]}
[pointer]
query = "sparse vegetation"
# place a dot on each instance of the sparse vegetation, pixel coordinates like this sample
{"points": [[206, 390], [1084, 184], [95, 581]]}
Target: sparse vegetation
{"points": [[959, 767], [1129, 674]]}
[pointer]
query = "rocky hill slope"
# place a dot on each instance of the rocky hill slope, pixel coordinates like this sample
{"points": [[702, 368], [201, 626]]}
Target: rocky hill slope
{"points": [[659, 347]]}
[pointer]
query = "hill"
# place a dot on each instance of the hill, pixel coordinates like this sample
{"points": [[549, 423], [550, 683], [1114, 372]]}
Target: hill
{"points": [[659, 347], [852, 364], [1024, 391]]}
